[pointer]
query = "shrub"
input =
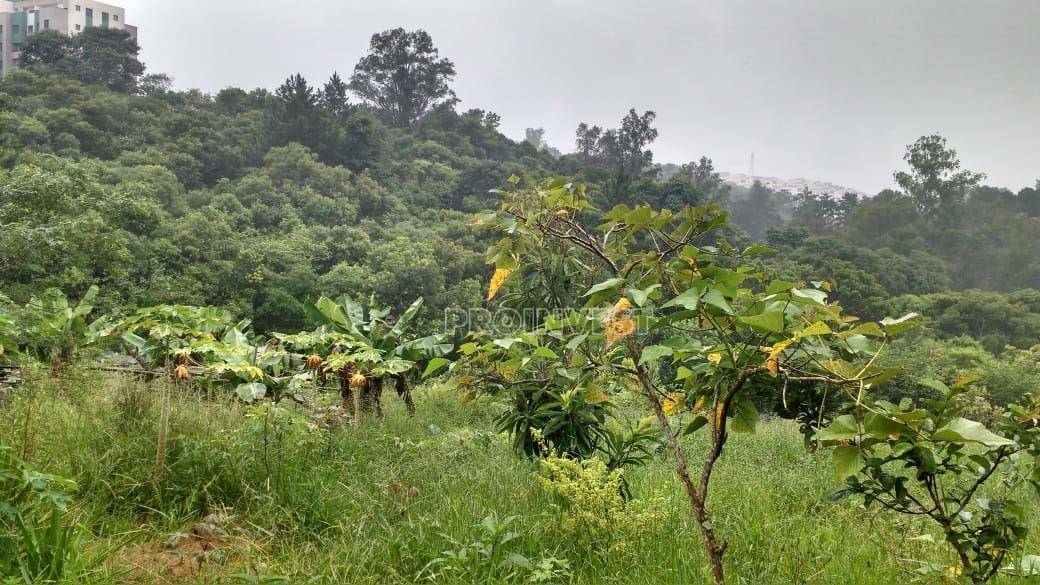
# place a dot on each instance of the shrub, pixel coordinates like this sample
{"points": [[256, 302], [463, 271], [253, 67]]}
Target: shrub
{"points": [[588, 497]]}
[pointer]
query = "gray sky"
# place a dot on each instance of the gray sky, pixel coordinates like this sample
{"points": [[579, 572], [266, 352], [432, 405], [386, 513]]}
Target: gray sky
{"points": [[825, 89]]}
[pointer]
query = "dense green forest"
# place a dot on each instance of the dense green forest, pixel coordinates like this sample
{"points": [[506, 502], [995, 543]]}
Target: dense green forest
{"points": [[196, 229], [260, 200]]}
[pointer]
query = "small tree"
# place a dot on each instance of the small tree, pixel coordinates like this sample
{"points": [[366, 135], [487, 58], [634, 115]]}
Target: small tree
{"points": [[935, 181], [107, 56], [403, 76], [300, 109], [927, 460], [47, 47], [676, 313], [333, 98]]}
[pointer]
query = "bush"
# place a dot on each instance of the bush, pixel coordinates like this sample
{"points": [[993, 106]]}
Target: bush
{"points": [[588, 498]]}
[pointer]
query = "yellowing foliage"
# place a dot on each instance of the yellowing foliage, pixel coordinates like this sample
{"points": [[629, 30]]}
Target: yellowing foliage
{"points": [[673, 403], [618, 309], [773, 361], [497, 280], [588, 498], [699, 405], [620, 329]]}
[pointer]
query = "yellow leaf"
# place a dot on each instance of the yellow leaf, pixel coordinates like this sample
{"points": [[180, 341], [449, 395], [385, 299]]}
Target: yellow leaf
{"points": [[497, 280], [773, 361], [618, 309], [620, 329], [673, 403]]}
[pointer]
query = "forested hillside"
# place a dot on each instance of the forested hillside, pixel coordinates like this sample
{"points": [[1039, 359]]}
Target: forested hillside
{"points": [[203, 296], [260, 200]]}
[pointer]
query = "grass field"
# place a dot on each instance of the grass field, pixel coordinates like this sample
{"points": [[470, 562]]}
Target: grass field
{"points": [[258, 495]]}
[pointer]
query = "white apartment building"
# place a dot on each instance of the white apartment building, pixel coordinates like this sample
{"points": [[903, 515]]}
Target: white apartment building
{"points": [[21, 18]]}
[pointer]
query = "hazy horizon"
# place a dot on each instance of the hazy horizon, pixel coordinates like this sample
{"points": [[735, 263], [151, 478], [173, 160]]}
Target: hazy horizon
{"points": [[818, 89]]}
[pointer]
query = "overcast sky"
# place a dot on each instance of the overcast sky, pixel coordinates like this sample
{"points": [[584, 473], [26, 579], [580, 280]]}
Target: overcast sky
{"points": [[825, 89]]}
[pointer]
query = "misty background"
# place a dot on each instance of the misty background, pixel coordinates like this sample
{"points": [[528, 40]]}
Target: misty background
{"points": [[821, 89]]}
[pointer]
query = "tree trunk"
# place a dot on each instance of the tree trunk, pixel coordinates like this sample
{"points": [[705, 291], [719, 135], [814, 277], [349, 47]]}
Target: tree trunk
{"points": [[346, 393], [697, 497], [373, 396], [405, 392]]}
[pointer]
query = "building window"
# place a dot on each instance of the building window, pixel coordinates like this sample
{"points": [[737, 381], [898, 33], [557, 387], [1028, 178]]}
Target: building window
{"points": [[78, 28], [30, 29], [115, 17], [46, 23], [104, 19], [79, 8]]}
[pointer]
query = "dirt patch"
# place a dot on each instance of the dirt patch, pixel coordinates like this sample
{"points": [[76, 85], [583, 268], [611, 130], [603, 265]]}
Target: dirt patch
{"points": [[208, 547]]}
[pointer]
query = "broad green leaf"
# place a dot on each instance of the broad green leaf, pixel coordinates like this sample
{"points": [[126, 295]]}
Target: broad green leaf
{"points": [[902, 449], [838, 494], [434, 365], [610, 283], [869, 329], [251, 391], [506, 342], [652, 353], [698, 421], [881, 426], [962, 430], [817, 328], [577, 340], [840, 368], [936, 385], [714, 297], [772, 321], [639, 296], [894, 326], [687, 300], [545, 352], [779, 286], [745, 415], [809, 296], [847, 461], [842, 428]]}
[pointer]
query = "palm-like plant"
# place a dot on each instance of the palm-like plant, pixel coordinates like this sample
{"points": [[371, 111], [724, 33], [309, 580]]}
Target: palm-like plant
{"points": [[374, 346], [54, 330]]}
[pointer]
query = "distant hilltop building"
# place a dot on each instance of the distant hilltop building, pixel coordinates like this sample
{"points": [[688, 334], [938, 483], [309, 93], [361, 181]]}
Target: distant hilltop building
{"points": [[21, 18], [789, 185]]}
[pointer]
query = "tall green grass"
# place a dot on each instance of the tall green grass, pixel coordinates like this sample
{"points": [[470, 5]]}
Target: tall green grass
{"points": [[378, 502]]}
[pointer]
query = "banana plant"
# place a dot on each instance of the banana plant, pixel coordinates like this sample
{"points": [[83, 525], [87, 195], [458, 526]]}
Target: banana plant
{"points": [[55, 331], [377, 346], [256, 371]]}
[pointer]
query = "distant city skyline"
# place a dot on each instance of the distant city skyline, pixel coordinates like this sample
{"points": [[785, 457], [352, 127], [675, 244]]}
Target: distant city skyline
{"points": [[817, 89]]}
